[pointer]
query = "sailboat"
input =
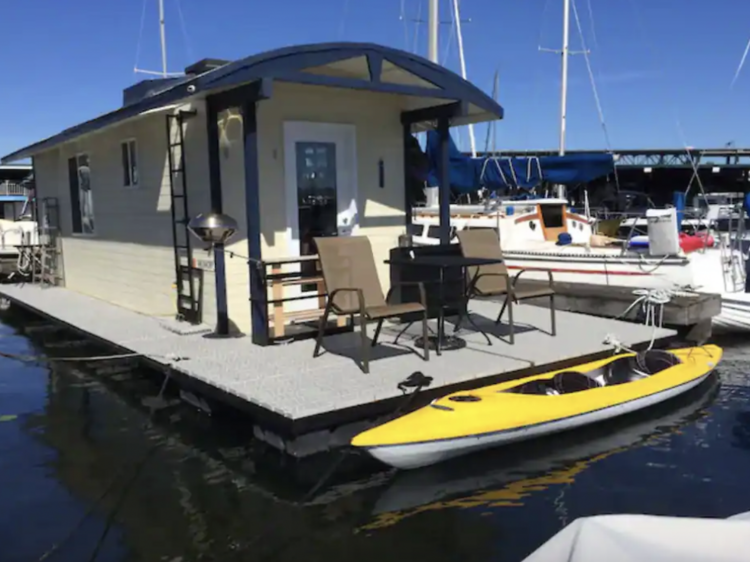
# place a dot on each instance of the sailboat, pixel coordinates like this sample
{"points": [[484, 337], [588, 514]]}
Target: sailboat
{"points": [[543, 235]]}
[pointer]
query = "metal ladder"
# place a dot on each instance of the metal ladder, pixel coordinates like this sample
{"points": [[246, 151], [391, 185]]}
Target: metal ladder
{"points": [[49, 239], [188, 303]]}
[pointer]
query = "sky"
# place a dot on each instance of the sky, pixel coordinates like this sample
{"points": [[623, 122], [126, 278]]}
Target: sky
{"points": [[662, 68]]}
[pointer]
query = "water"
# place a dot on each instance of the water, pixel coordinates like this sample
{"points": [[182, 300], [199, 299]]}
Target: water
{"points": [[179, 486]]}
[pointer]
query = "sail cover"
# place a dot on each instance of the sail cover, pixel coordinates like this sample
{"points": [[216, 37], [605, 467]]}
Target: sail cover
{"points": [[499, 173]]}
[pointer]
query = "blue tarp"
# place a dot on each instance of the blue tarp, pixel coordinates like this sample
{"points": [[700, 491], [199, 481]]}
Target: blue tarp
{"points": [[501, 173]]}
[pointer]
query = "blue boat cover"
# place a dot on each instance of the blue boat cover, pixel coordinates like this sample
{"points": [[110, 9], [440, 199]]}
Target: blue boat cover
{"points": [[502, 173]]}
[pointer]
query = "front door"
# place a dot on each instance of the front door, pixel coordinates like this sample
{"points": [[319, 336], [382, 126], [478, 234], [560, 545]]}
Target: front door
{"points": [[321, 193]]}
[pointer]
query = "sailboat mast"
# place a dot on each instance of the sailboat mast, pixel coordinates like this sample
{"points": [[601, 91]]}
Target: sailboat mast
{"points": [[564, 86], [462, 60], [163, 33], [432, 30]]}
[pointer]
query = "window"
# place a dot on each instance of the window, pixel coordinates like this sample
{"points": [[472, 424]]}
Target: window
{"points": [[552, 215], [81, 199], [129, 163]]}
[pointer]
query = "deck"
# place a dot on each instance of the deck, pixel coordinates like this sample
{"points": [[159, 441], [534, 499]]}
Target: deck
{"points": [[287, 382]]}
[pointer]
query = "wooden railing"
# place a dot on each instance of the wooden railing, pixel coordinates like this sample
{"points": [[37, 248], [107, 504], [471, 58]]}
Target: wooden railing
{"points": [[276, 280]]}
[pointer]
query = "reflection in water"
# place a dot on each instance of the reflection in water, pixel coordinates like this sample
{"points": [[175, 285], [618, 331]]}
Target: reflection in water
{"points": [[210, 493], [418, 491]]}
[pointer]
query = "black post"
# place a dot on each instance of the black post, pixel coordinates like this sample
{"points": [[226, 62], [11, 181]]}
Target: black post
{"points": [[408, 198], [445, 183], [258, 296], [214, 174]]}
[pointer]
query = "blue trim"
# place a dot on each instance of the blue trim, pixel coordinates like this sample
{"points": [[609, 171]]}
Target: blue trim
{"points": [[12, 198], [261, 89], [445, 184], [358, 84], [289, 63], [406, 136], [375, 66], [258, 296], [217, 204], [448, 110]]}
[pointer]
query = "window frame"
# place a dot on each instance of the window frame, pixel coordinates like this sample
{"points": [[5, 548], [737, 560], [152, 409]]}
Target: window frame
{"points": [[77, 156], [127, 173]]}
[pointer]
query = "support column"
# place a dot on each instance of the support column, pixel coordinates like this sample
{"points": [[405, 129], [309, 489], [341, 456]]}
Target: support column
{"points": [[214, 174], [258, 297], [443, 129], [408, 198]]}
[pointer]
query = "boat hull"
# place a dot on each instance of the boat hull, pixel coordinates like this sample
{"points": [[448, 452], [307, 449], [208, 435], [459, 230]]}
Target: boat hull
{"points": [[418, 455], [603, 268], [514, 411]]}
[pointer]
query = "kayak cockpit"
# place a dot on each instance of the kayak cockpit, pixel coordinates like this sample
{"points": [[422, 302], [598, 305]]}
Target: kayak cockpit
{"points": [[619, 371]]}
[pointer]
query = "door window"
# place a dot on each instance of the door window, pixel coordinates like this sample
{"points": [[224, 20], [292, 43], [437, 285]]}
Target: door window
{"points": [[316, 198]]}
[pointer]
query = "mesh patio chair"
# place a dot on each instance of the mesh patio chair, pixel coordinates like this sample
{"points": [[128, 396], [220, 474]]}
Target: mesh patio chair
{"points": [[353, 286], [494, 280]]}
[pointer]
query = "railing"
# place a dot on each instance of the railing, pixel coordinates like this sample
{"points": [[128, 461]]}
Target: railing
{"points": [[275, 280], [13, 188]]}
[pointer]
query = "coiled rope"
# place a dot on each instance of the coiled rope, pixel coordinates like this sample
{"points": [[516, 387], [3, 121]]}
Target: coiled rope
{"points": [[651, 301]]}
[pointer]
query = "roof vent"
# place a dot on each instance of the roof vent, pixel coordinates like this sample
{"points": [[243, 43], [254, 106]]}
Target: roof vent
{"points": [[204, 65]]}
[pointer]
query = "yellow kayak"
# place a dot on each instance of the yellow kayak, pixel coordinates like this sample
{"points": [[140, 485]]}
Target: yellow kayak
{"points": [[522, 409]]}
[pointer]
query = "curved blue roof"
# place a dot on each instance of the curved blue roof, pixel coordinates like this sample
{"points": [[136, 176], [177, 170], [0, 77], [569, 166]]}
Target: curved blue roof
{"points": [[289, 64]]}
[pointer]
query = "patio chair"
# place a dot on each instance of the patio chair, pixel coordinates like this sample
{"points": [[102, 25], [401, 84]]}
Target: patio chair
{"points": [[494, 280], [353, 286]]}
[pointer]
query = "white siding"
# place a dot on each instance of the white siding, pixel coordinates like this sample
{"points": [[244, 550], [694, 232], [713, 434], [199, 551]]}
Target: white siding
{"points": [[129, 260], [379, 135]]}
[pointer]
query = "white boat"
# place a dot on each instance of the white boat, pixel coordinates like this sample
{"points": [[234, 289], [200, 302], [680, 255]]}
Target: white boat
{"points": [[542, 235], [636, 537]]}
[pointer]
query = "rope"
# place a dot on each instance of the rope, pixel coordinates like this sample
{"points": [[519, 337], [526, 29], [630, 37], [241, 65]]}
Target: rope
{"points": [[651, 301], [169, 357]]}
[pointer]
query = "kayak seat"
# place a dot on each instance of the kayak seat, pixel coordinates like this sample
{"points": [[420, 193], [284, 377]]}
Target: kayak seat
{"points": [[540, 387], [644, 364], [568, 382], [654, 361], [565, 382], [621, 371]]}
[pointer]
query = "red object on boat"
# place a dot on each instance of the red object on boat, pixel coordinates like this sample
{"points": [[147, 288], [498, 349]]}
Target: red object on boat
{"points": [[692, 242]]}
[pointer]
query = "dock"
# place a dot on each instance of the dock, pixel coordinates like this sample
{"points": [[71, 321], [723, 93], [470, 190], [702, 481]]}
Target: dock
{"points": [[304, 405], [690, 312]]}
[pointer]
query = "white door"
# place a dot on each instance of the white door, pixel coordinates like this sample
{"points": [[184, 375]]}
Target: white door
{"points": [[320, 170]]}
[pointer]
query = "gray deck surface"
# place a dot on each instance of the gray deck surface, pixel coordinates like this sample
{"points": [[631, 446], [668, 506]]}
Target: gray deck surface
{"points": [[287, 380]]}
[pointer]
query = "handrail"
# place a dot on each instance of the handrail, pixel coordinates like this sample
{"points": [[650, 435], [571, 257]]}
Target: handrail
{"points": [[13, 188]]}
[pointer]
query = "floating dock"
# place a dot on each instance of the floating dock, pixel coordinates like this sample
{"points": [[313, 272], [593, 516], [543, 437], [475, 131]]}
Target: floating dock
{"points": [[304, 405], [690, 312]]}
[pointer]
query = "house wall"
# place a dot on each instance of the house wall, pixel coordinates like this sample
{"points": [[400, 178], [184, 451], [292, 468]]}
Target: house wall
{"points": [[378, 135], [129, 260]]}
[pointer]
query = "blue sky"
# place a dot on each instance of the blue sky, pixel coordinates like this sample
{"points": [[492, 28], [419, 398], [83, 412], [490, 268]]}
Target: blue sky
{"points": [[663, 68]]}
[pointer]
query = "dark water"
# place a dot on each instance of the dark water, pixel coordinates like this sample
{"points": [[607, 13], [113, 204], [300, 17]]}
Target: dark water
{"points": [[78, 439]]}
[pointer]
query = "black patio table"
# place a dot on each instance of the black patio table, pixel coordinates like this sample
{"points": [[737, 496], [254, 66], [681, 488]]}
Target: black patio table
{"points": [[443, 263]]}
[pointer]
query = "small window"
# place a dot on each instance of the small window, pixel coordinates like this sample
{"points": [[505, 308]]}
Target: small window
{"points": [[129, 163]]}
